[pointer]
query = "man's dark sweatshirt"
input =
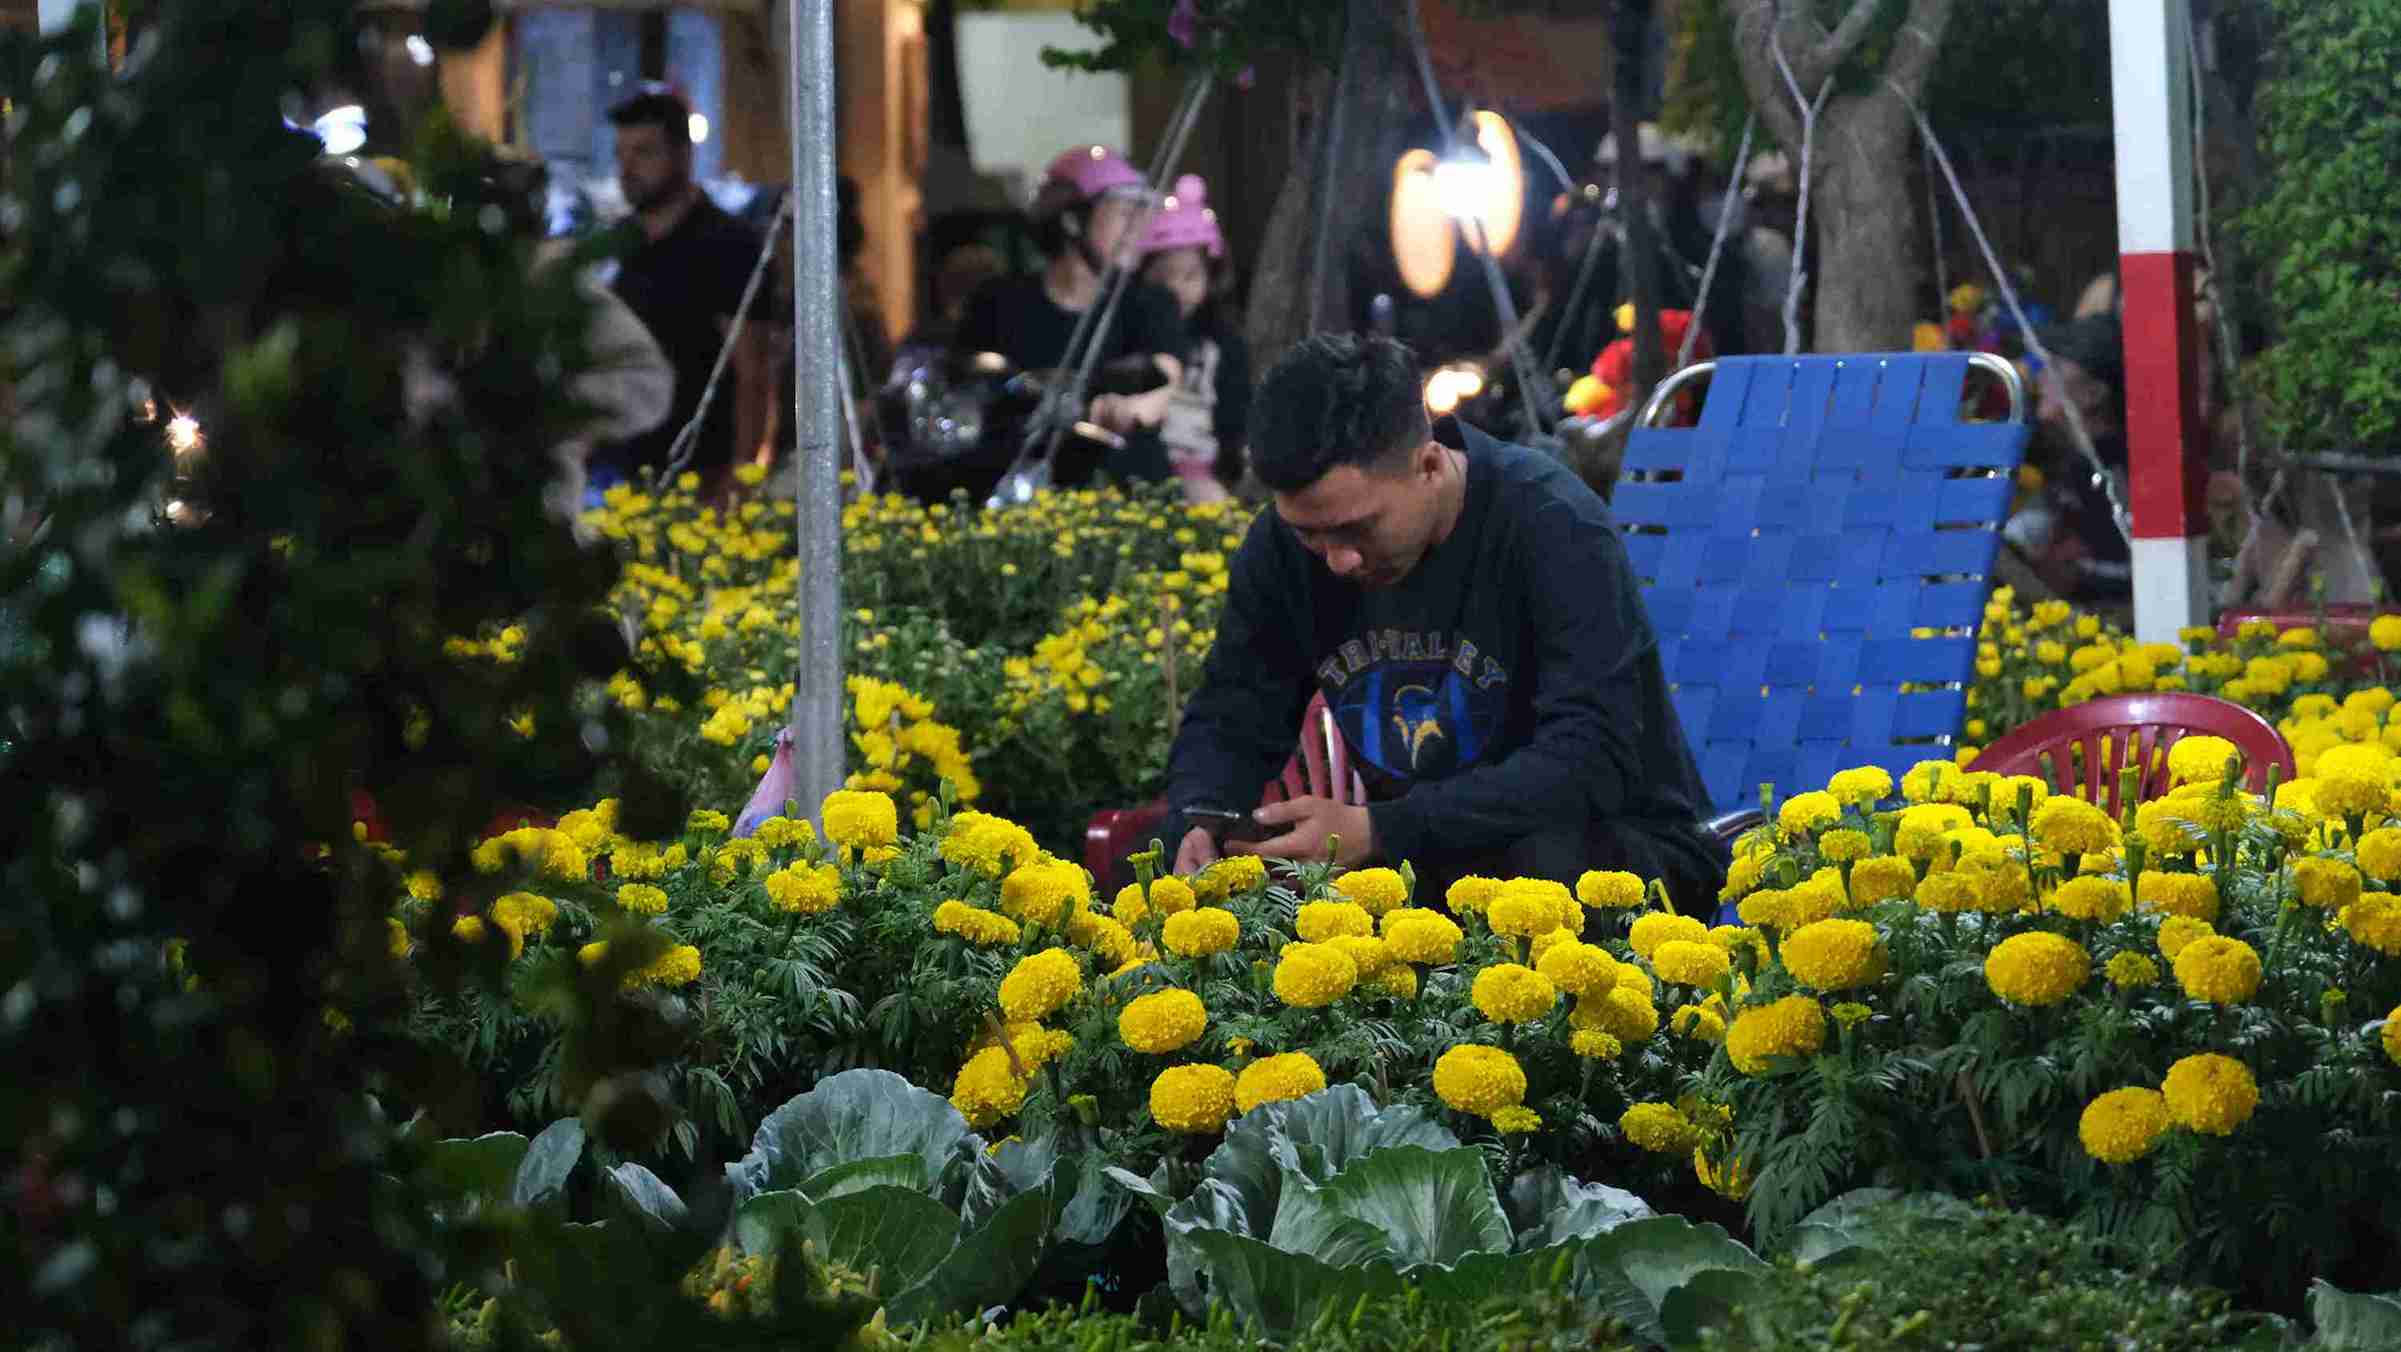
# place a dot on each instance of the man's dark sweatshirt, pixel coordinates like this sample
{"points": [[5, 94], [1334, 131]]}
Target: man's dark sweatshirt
{"points": [[1509, 685]]}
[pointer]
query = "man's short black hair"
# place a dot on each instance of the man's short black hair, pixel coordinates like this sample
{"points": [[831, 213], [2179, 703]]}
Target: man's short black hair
{"points": [[656, 108], [1335, 399]]}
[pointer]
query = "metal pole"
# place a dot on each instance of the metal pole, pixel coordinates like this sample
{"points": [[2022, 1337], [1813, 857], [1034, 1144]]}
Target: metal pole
{"points": [[817, 697], [2150, 70]]}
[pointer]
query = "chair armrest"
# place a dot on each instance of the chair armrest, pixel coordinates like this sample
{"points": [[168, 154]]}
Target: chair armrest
{"points": [[1113, 834], [1728, 827]]}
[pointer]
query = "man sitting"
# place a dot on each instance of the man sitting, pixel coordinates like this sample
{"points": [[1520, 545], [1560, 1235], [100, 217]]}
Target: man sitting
{"points": [[1472, 621]]}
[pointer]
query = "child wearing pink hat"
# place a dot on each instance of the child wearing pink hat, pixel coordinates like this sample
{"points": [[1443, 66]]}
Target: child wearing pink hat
{"points": [[1185, 253]]}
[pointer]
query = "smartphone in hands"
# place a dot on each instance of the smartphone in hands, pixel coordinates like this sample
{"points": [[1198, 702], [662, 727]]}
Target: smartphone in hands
{"points": [[1225, 825]]}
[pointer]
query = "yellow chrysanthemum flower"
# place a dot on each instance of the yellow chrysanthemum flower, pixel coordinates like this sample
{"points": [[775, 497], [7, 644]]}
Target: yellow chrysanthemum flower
{"points": [[984, 929], [2220, 970], [1578, 968], [1792, 1026], [1201, 932], [1323, 921], [1309, 976], [1691, 964], [1376, 889], [1476, 1079], [804, 889], [1658, 1128], [2210, 1093], [2089, 898], [1195, 1100], [1040, 983], [1657, 927], [2123, 1125], [2130, 970], [1275, 1079], [1834, 955], [1163, 1021], [1508, 993], [2036, 968]]}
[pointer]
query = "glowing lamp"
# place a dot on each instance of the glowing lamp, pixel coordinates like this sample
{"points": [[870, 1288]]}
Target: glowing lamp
{"points": [[1452, 386], [1424, 240]]}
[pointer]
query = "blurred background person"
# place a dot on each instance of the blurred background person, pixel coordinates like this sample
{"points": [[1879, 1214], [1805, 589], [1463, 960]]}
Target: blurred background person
{"points": [[1208, 412]]}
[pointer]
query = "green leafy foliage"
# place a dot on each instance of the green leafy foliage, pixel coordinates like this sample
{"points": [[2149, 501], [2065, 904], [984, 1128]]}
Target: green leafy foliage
{"points": [[2354, 1321], [2325, 228]]}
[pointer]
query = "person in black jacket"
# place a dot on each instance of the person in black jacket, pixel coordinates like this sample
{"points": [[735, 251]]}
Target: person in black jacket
{"points": [[1474, 625], [1185, 254]]}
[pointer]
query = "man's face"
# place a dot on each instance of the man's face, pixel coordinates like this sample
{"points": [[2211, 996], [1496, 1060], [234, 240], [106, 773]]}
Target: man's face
{"points": [[2063, 382], [648, 168], [1371, 525]]}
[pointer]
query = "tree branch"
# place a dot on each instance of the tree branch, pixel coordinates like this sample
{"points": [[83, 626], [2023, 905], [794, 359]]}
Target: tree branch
{"points": [[1754, 21], [1917, 45], [1836, 47]]}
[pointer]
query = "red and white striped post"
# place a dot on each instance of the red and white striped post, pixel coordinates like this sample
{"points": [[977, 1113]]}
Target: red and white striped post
{"points": [[2150, 72]]}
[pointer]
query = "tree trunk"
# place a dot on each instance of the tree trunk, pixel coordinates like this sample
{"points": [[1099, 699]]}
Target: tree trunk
{"points": [[1376, 116], [1631, 24], [1867, 254]]}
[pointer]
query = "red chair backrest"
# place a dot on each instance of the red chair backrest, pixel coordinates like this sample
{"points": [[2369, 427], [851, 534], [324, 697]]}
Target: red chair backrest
{"points": [[2121, 730], [1321, 766]]}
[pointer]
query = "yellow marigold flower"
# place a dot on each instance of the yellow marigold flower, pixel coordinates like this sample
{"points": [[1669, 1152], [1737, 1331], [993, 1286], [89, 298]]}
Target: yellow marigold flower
{"points": [[1200, 933], [1843, 845], [2211, 806], [1771, 907], [1658, 1128], [1792, 1026], [1508, 993], [857, 819], [2168, 827], [780, 833], [1850, 1013], [397, 938], [2036, 968], [1633, 978], [804, 889], [1691, 964], [1476, 1079], [1698, 1022], [706, 820], [1367, 953], [2199, 760], [1949, 893], [2123, 1125], [986, 1089], [2193, 894], [1421, 935], [1313, 975], [1045, 891], [1275, 1079], [2379, 854], [1736, 938], [1657, 927], [2210, 1093], [1516, 1120], [2090, 898], [2385, 633], [1578, 968], [1920, 832], [1882, 878], [2374, 921], [1377, 889], [2220, 970], [1863, 786], [977, 926], [518, 914], [1627, 1015], [1163, 1021], [678, 966], [1129, 908], [2392, 1036], [1541, 944], [2350, 795], [1169, 896], [551, 853], [1611, 890], [1101, 935], [1806, 812], [1231, 876], [1594, 1045], [2178, 930], [1525, 907], [1398, 980], [1923, 781], [2329, 884], [990, 845], [469, 928], [1040, 983], [1321, 921], [1472, 894], [642, 899], [424, 885], [2070, 825], [1834, 955], [2130, 969]]}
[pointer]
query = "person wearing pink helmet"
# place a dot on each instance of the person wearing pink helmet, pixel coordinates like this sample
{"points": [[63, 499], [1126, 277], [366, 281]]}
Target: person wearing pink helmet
{"points": [[1084, 217], [1185, 253]]}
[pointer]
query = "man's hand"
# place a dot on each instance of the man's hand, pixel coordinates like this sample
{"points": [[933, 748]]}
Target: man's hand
{"points": [[1309, 822], [1196, 853]]}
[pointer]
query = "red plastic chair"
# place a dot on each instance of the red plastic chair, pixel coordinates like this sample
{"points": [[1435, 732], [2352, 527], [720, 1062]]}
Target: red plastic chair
{"points": [[2343, 628], [1320, 767], [2104, 730]]}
